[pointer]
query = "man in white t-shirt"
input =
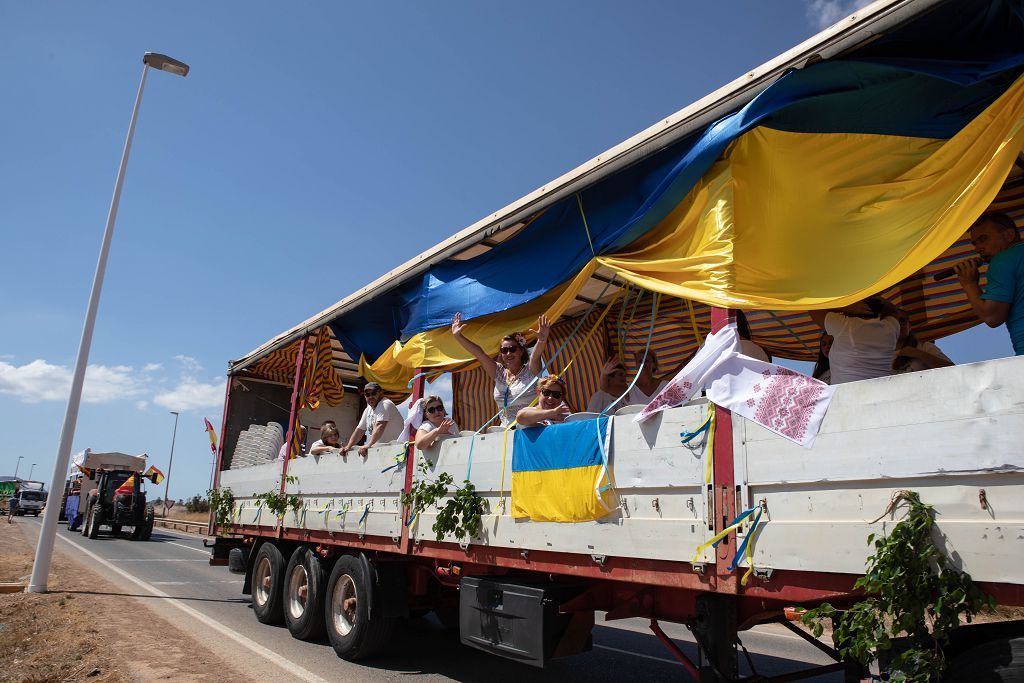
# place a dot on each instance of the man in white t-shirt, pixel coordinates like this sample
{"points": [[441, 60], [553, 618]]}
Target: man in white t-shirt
{"points": [[864, 339], [381, 420]]}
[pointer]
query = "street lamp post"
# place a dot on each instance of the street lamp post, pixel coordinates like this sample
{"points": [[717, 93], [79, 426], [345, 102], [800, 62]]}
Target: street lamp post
{"points": [[44, 549], [170, 461], [17, 465], [30, 471]]}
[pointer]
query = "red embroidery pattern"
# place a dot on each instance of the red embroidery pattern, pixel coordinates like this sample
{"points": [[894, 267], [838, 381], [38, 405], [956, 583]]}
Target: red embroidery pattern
{"points": [[788, 402], [672, 395]]}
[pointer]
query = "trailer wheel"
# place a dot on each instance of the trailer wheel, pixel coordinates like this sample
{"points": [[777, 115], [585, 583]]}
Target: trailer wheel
{"points": [[354, 634], [267, 577], [304, 594], [997, 661]]}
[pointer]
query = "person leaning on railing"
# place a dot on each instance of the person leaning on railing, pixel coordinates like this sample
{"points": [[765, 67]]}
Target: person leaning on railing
{"points": [[551, 407], [514, 369], [436, 423], [381, 421]]}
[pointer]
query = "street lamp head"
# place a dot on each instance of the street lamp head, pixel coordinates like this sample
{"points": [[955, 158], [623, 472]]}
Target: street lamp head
{"points": [[165, 63], [174, 412]]}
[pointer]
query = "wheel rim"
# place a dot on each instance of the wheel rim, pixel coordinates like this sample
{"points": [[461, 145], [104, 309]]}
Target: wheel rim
{"points": [[344, 604], [261, 581], [298, 591]]}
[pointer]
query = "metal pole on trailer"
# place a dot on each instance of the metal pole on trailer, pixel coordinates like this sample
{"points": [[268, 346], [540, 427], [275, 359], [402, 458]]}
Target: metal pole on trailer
{"points": [[44, 549]]}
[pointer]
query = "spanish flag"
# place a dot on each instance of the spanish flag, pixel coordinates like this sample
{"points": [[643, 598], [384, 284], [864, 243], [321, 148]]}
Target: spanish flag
{"points": [[558, 473], [154, 475], [127, 488], [212, 434]]}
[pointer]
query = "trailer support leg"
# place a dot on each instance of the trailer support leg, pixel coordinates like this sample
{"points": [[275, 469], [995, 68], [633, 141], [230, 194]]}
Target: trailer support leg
{"points": [[690, 667], [715, 630]]}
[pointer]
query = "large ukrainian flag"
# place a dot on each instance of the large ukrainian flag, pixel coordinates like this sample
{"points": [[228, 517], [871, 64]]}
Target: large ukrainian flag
{"points": [[558, 473]]}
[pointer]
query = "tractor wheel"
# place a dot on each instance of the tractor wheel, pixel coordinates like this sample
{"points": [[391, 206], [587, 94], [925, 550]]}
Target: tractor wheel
{"points": [[115, 529], [85, 521], [355, 634], [267, 580], [304, 594], [93, 524]]}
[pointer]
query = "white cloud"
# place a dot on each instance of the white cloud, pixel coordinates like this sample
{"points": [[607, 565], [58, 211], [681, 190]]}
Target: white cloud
{"points": [[152, 367], [142, 405], [41, 381], [189, 365], [191, 394], [824, 13]]}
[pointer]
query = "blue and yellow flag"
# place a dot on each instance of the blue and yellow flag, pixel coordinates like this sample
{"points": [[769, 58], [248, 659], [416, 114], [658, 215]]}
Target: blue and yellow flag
{"points": [[558, 473]]}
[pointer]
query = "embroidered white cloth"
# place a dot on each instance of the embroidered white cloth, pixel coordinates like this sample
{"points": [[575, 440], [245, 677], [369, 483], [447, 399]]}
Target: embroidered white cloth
{"points": [[415, 418], [788, 403]]}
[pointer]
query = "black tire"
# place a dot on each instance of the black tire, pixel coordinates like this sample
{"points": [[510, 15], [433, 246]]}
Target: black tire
{"points": [[354, 635], [998, 661], [115, 529], [267, 581], [92, 524], [303, 594], [85, 521]]}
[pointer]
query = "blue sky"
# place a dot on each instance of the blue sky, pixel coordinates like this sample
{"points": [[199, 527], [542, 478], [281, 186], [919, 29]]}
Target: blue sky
{"points": [[313, 147]]}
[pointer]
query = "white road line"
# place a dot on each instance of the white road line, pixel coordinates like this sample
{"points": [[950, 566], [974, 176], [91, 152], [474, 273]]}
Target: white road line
{"points": [[204, 551], [639, 654], [151, 559], [274, 658], [191, 583]]}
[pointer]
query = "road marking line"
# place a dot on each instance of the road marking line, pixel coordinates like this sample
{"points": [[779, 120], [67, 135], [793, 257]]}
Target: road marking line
{"points": [[182, 545], [640, 654], [271, 656], [151, 559], [191, 583]]}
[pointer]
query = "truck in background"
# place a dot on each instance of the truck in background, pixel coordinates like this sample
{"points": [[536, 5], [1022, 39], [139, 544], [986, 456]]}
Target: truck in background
{"points": [[31, 496]]}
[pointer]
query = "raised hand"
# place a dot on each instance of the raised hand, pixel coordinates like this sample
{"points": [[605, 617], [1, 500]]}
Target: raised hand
{"points": [[543, 328], [562, 412], [458, 325], [446, 425], [610, 366]]}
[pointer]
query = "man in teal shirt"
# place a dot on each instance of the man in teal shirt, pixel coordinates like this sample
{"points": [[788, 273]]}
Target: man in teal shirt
{"points": [[996, 239]]}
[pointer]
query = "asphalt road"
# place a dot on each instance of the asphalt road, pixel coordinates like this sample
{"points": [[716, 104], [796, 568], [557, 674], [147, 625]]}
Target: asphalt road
{"points": [[172, 573]]}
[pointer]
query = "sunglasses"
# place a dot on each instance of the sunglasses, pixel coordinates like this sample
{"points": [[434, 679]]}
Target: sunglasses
{"points": [[547, 393], [435, 409], [509, 349]]}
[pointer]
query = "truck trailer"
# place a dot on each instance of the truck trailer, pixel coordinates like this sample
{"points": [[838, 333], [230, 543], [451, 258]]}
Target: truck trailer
{"points": [[703, 516]]}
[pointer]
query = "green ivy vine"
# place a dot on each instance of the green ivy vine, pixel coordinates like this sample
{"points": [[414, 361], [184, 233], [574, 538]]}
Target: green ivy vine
{"points": [[461, 513], [912, 591], [222, 502], [278, 502]]}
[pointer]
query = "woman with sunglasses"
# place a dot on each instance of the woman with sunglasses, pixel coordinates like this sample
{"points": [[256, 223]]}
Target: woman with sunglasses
{"points": [[551, 407], [514, 369], [436, 423]]}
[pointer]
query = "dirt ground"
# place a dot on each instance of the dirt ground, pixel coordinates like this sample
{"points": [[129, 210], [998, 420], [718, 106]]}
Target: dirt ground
{"points": [[85, 629]]}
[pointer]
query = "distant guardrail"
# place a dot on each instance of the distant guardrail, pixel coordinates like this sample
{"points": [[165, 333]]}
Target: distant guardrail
{"points": [[182, 525]]}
